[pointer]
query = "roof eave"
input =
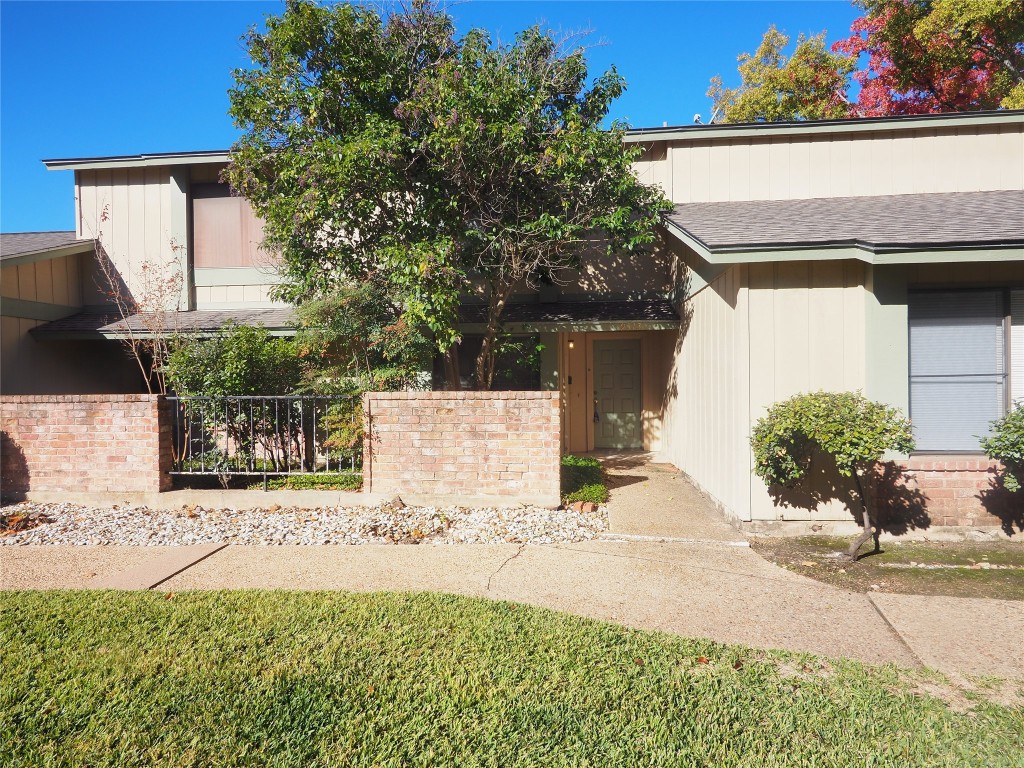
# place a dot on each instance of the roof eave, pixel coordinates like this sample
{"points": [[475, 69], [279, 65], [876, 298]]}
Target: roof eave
{"points": [[43, 254], [137, 161], [753, 130]]}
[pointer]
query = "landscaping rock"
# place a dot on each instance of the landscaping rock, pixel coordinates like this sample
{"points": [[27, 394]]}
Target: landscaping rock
{"points": [[384, 524]]}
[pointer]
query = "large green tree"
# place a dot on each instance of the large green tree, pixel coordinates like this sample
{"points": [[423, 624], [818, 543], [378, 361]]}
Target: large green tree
{"points": [[386, 145], [809, 84]]}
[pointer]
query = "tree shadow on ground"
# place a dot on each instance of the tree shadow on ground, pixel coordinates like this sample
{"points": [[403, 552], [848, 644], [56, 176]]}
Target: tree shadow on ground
{"points": [[14, 472], [1004, 504], [895, 503], [621, 481]]}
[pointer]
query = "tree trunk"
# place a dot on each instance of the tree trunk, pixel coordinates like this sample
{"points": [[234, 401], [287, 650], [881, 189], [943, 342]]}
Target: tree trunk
{"points": [[452, 375], [487, 359], [865, 515]]}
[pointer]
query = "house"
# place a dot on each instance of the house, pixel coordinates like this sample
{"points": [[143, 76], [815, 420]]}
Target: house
{"points": [[884, 255]]}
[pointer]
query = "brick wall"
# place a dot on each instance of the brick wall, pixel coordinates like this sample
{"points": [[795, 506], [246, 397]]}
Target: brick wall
{"points": [[84, 443], [961, 490], [504, 444]]}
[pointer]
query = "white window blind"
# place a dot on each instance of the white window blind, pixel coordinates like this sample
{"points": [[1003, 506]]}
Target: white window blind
{"points": [[957, 367], [1017, 346]]}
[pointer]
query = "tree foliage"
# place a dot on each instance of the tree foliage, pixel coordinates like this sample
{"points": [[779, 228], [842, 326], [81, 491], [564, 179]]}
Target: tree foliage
{"points": [[1006, 444], [238, 360], [810, 84], [922, 56], [355, 339], [854, 431], [388, 148]]}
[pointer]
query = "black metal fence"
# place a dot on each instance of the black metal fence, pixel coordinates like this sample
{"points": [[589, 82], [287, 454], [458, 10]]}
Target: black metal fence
{"points": [[267, 436]]}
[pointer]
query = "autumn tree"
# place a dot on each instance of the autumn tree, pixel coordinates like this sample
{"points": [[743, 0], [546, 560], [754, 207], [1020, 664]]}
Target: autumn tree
{"points": [[938, 55], [386, 147], [810, 84]]}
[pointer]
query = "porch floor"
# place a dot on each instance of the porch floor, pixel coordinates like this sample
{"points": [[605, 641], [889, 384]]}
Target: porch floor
{"points": [[650, 498]]}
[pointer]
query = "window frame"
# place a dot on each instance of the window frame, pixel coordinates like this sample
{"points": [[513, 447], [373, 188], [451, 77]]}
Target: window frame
{"points": [[1005, 289]]}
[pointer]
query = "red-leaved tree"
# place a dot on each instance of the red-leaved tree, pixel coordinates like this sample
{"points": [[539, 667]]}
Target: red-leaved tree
{"points": [[938, 55]]}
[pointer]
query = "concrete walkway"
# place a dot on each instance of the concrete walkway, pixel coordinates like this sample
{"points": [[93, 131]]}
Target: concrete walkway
{"points": [[669, 563]]}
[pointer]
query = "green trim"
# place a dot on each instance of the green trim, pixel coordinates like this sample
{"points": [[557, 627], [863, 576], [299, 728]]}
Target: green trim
{"points": [[579, 326], [72, 249], [35, 310], [868, 125], [136, 161], [218, 306], [930, 255], [211, 276]]}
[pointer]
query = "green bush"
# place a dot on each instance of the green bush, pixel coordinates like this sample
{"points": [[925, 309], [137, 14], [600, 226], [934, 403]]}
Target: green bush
{"points": [[854, 431], [1007, 445], [583, 480], [313, 482], [597, 493]]}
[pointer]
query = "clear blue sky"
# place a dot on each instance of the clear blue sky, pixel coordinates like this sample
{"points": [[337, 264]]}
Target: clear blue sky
{"points": [[85, 79]]}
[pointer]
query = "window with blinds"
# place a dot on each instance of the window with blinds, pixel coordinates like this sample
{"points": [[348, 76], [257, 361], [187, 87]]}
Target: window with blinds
{"points": [[958, 370]]}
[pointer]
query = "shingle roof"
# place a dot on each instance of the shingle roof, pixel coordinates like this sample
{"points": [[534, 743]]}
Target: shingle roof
{"points": [[196, 321], [19, 243], [656, 310], [875, 223]]}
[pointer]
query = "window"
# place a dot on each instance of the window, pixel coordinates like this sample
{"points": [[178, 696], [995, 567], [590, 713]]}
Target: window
{"points": [[966, 364], [226, 233]]}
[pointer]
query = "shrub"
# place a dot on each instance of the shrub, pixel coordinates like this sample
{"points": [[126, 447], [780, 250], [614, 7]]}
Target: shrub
{"points": [[1006, 444], [597, 493], [583, 480], [854, 431], [313, 482]]}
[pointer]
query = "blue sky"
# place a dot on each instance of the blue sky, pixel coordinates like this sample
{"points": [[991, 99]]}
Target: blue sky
{"points": [[85, 79]]}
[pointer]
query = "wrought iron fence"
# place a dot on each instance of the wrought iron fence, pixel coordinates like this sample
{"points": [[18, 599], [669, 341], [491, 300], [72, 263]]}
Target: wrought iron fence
{"points": [[268, 436]]}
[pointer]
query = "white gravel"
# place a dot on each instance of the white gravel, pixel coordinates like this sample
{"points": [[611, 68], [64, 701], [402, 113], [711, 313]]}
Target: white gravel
{"points": [[384, 524]]}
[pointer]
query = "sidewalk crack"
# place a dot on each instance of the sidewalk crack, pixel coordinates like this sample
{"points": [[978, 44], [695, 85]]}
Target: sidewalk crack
{"points": [[508, 560]]}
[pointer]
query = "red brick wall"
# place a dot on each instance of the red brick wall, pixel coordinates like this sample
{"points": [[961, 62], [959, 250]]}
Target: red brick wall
{"points": [[960, 490], [84, 443], [504, 444]]}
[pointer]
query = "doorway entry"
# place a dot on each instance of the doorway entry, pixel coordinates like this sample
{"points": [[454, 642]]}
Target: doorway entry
{"points": [[617, 394]]}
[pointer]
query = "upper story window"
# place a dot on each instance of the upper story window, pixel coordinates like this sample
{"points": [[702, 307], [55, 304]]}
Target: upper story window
{"points": [[966, 364], [226, 232]]}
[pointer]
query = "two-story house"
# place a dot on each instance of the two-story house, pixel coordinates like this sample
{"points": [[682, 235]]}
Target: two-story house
{"points": [[883, 255]]}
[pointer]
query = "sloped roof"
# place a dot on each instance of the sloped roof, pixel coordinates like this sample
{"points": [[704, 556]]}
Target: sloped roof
{"points": [[877, 223], [110, 325], [13, 244], [650, 311]]}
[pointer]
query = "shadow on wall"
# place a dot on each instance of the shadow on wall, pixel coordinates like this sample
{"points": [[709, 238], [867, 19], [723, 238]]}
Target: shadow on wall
{"points": [[681, 282], [1008, 506], [14, 474], [896, 505]]}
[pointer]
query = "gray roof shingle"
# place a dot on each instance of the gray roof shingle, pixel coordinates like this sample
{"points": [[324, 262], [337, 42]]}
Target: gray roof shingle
{"points": [[196, 321], [652, 310], [19, 243], [876, 223]]}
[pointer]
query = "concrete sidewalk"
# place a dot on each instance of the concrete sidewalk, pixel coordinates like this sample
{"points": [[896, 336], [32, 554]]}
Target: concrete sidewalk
{"points": [[716, 591]]}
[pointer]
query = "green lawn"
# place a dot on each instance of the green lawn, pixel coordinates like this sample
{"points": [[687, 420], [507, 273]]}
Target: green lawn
{"points": [[311, 679]]}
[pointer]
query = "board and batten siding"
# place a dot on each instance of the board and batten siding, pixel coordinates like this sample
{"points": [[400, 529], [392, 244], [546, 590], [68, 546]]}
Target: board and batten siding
{"points": [[139, 215], [893, 162], [705, 426], [757, 334]]}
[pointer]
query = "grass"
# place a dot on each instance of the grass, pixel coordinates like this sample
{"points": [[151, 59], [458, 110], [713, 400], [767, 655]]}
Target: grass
{"points": [[338, 679], [313, 482], [891, 570], [583, 480]]}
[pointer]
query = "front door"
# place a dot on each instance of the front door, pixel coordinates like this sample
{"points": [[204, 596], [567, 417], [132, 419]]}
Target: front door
{"points": [[617, 394]]}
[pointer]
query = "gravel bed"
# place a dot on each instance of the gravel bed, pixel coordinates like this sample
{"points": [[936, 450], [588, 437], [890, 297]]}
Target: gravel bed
{"points": [[390, 523]]}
